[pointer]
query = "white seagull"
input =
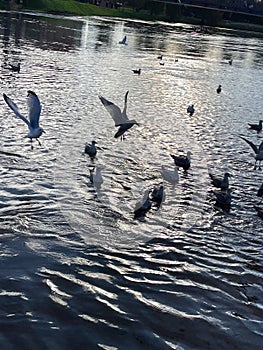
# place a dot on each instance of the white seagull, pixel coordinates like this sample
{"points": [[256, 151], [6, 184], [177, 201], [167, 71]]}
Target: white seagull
{"points": [[120, 117], [258, 150], [34, 110]]}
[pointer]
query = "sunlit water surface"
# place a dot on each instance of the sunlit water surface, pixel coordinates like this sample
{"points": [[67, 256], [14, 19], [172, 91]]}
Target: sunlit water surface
{"points": [[77, 271]]}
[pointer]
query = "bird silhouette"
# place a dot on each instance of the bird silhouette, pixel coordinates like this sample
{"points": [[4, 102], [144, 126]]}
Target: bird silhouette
{"points": [[257, 127], [91, 150], [223, 199], [220, 183], [137, 71], [190, 110], [182, 161], [219, 89], [158, 196], [123, 41]]}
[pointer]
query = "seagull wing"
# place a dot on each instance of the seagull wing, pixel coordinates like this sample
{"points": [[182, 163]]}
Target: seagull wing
{"points": [[251, 144], [124, 114], [114, 111], [34, 109], [14, 108]]}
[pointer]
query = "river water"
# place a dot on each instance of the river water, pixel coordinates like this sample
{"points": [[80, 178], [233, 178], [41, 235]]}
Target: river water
{"points": [[76, 269]]}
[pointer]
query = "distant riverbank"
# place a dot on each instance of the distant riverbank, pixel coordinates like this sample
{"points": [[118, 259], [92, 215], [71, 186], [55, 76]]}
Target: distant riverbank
{"points": [[70, 7]]}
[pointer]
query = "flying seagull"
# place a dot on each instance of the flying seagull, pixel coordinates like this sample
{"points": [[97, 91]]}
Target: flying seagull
{"points": [[257, 127], [34, 110], [120, 117], [258, 150]]}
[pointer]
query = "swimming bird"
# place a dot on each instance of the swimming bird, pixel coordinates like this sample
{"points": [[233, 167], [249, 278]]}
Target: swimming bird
{"points": [[190, 110], [171, 176], [258, 150], [137, 71], [158, 196], [123, 41], [120, 118], [91, 149], [220, 183], [161, 63], [34, 110], [160, 57], [142, 207], [219, 89], [182, 161], [230, 61], [257, 127], [223, 199]]}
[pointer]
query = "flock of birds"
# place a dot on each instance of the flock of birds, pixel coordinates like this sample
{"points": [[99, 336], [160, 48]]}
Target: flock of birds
{"points": [[151, 198]]}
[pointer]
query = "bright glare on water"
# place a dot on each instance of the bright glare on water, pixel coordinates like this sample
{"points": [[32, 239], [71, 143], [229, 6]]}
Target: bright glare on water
{"points": [[76, 268]]}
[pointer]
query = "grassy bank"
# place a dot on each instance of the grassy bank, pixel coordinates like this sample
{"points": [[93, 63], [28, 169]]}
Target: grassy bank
{"points": [[71, 7]]}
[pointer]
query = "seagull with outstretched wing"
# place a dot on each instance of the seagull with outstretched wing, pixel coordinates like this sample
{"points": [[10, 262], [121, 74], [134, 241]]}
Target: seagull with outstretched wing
{"points": [[258, 150], [34, 110], [120, 118]]}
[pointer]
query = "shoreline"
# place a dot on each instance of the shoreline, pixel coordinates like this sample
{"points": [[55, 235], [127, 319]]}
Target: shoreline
{"points": [[73, 8]]}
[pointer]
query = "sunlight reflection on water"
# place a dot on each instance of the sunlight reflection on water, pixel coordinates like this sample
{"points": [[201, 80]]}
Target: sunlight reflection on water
{"points": [[187, 265]]}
